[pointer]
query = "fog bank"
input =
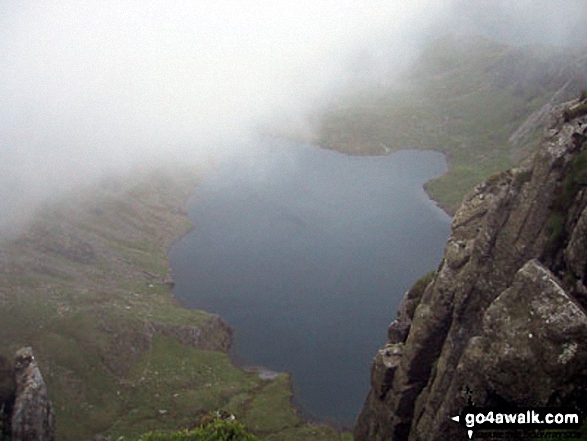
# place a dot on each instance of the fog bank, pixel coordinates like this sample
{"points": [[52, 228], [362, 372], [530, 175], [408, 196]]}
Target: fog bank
{"points": [[93, 87]]}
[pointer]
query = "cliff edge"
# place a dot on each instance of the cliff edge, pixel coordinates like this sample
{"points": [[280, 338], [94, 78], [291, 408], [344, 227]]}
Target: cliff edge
{"points": [[503, 320]]}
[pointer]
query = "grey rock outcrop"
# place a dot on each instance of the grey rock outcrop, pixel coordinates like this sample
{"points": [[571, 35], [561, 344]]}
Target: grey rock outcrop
{"points": [[32, 413], [534, 335], [213, 335], [504, 315]]}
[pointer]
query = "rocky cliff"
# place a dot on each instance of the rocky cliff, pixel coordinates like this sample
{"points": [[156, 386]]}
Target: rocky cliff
{"points": [[503, 319], [26, 413]]}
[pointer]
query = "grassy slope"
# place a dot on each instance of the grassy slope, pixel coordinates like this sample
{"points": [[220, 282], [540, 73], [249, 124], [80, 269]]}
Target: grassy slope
{"points": [[81, 286], [464, 97]]}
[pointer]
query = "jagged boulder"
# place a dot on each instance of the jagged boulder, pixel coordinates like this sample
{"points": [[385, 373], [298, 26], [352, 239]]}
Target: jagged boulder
{"points": [[532, 348], [32, 413]]}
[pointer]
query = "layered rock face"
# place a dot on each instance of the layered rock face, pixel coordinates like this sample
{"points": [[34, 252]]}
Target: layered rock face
{"points": [[25, 410], [503, 320], [213, 335]]}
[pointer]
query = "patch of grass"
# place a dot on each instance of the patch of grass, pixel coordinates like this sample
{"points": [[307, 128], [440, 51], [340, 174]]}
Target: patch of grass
{"points": [[271, 410], [172, 315], [522, 177], [575, 180], [309, 433], [450, 188], [423, 282], [555, 225], [172, 385], [215, 431]]}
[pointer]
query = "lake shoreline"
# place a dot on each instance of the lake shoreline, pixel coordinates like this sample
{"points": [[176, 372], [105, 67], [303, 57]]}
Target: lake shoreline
{"points": [[296, 222], [237, 361], [387, 151]]}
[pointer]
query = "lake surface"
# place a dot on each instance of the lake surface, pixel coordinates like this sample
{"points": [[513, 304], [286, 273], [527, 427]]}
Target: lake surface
{"points": [[306, 253]]}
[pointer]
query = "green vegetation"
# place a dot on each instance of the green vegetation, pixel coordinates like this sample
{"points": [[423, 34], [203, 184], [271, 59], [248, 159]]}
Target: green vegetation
{"points": [[575, 180], [555, 225], [217, 430], [523, 176], [87, 286], [423, 282], [465, 98]]}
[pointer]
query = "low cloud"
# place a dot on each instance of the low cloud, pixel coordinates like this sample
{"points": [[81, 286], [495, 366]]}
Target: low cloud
{"points": [[92, 87]]}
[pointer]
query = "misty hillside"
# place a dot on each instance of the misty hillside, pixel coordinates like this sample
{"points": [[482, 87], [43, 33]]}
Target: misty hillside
{"points": [[100, 103], [87, 285], [479, 101]]}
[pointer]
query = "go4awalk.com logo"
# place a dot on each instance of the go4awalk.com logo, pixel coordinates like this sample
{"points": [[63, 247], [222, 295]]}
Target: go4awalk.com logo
{"points": [[521, 423]]}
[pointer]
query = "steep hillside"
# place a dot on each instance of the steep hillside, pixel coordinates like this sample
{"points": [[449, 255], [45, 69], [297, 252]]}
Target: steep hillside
{"points": [[87, 286], [503, 320], [481, 102]]}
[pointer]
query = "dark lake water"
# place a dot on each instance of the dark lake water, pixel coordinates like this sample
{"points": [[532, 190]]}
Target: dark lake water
{"points": [[306, 253]]}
